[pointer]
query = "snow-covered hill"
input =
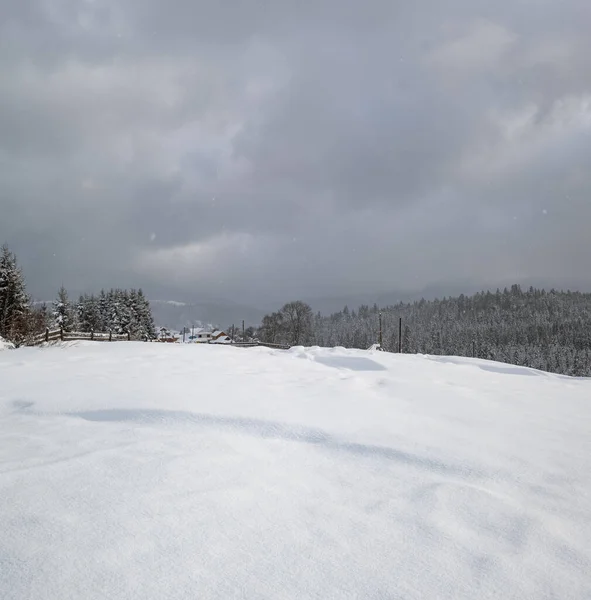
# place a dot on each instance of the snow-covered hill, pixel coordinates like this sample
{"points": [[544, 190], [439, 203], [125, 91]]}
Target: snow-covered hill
{"points": [[157, 471]]}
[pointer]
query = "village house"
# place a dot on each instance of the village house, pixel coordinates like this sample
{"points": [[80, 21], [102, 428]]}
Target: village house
{"points": [[206, 336], [164, 335], [220, 337], [200, 335]]}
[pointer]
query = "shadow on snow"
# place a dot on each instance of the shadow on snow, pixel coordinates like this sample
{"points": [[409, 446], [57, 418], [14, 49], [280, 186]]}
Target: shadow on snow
{"points": [[272, 430]]}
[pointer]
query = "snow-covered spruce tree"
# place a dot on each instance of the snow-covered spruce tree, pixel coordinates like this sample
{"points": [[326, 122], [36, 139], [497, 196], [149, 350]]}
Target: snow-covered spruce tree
{"points": [[119, 311], [131, 310], [14, 301], [89, 317], [138, 313], [407, 341], [63, 311], [122, 312], [113, 322], [104, 311], [82, 313], [145, 321]]}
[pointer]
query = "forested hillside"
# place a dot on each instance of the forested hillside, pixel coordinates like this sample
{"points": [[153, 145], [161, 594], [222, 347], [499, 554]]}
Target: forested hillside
{"points": [[540, 329]]}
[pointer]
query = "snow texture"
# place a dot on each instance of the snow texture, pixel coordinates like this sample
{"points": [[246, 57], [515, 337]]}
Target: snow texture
{"points": [[4, 345], [151, 471]]}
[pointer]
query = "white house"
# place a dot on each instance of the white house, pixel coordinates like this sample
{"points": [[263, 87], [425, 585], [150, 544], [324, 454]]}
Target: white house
{"points": [[200, 335], [207, 336]]}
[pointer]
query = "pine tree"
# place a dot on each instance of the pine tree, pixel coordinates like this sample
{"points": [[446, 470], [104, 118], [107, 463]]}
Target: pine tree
{"points": [[88, 314], [407, 342], [63, 313], [14, 301], [146, 326]]}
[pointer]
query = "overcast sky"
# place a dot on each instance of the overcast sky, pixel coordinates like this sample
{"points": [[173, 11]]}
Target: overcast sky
{"points": [[275, 149]]}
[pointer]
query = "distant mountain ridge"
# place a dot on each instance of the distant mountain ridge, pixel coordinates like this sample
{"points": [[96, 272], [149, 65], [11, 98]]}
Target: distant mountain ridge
{"points": [[175, 315]]}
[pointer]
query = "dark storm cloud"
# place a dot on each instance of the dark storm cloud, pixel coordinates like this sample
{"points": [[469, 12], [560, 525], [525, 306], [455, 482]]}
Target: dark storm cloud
{"points": [[272, 149]]}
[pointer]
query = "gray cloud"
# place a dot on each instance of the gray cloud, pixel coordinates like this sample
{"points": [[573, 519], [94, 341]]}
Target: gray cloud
{"points": [[263, 150]]}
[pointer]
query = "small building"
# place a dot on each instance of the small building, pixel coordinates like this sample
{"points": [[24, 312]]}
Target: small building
{"points": [[201, 335], [165, 335], [208, 336], [220, 337]]}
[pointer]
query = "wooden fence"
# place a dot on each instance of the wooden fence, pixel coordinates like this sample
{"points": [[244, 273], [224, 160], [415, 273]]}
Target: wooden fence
{"points": [[59, 335]]}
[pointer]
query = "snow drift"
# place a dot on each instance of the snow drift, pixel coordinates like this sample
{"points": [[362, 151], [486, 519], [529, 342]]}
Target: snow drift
{"points": [[156, 471], [4, 345]]}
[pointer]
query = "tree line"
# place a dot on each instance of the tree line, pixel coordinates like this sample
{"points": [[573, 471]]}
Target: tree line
{"points": [[117, 311], [21, 320], [547, 330], [292, 325], [534, 328]]}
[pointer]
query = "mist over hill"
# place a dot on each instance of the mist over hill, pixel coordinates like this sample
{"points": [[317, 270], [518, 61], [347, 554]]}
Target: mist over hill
{"points": [[176, 315]]}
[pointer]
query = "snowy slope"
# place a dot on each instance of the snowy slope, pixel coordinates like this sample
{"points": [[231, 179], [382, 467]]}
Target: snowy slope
{"points": [[152, 471]]}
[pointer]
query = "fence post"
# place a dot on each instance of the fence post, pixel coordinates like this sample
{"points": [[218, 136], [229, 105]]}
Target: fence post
{"points": [[47, 334], [61, 333], [129, 336], [91, 333], [400, 335], [110, 335]]}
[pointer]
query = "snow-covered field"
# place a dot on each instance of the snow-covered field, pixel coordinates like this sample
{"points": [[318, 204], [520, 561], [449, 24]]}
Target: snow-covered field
{"points": [[155, 471]]}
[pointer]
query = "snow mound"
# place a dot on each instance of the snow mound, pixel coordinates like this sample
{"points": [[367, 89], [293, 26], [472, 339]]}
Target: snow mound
{"points": [[133, 470], [4, 345]]}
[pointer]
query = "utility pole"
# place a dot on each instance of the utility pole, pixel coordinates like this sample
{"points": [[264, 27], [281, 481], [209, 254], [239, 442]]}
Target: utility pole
{"points": [[400, 335], [381, 338]]}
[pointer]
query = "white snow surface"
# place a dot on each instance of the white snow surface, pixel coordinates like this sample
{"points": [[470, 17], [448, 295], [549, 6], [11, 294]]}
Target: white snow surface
{"points": [[4, 345], [161, 471]]}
